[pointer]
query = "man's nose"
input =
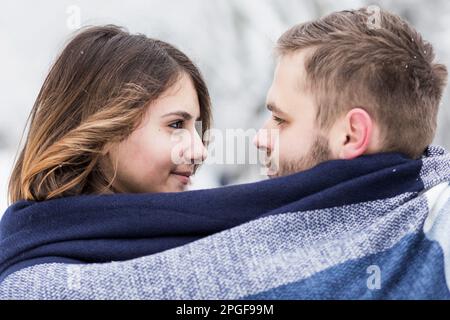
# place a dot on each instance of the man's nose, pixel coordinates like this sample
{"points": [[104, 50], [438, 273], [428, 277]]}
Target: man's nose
{"points": [[262, 139]]}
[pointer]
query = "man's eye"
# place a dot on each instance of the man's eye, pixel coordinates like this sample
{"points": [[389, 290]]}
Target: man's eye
{"points": [[278, 120], [177, 125]]}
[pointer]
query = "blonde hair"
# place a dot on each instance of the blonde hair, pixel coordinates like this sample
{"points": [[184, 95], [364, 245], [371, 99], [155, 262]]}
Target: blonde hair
{"points": [[389, 70]]}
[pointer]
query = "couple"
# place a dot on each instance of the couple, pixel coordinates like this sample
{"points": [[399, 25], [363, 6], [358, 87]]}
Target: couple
{"points": [[358, 207]]}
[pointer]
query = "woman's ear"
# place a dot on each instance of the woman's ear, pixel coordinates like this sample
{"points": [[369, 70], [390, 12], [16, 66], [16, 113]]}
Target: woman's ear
{"points": [[356, 134], [106, 148]]}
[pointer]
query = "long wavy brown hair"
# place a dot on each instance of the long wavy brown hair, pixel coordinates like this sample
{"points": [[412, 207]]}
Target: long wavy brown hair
{"points": [[95, 93]]}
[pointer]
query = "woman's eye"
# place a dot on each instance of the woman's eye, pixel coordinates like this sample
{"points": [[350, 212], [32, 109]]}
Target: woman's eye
{"points": [[278, 120], [177, 125]]}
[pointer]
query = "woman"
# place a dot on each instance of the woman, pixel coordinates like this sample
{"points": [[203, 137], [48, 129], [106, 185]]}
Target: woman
{"points": [[106, 117], [115, 131]]}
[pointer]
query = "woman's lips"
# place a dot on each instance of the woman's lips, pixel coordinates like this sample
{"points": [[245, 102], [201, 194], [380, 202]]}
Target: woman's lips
{"points": [[183, 177]]}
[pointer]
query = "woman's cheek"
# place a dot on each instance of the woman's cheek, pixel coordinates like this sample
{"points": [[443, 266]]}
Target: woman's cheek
{"points": [[174, 155], [159, 159]]}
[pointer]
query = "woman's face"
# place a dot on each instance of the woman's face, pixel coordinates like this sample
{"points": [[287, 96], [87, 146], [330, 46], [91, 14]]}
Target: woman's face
{"points": [[159, 156]]}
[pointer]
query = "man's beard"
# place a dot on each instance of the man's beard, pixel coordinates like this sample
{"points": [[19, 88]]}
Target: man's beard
{"points": [[318, 153]]}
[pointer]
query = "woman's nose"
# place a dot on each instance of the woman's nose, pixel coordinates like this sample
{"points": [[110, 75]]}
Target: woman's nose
{"points": [[196, 152]]}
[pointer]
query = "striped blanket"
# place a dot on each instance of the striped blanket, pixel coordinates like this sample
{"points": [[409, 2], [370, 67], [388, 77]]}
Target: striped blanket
{"points": [[376, 227]]}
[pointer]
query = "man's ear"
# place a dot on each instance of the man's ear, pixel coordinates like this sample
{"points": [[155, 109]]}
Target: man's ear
{"points": [[356, 134]]}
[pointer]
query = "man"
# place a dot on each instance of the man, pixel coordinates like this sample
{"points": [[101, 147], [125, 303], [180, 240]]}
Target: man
{"points": [[344, 88], [359, 209]]}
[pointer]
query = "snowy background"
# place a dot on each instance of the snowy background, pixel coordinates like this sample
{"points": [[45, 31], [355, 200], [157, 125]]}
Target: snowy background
{"points": [[230, 40]]}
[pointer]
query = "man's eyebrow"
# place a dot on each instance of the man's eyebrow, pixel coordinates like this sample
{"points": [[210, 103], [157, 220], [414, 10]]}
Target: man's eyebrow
{"points": [[185, 115], [273, 108]]}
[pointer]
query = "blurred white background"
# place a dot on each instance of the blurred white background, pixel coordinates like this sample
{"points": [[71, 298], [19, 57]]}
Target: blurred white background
{"points": [[230, 40]]}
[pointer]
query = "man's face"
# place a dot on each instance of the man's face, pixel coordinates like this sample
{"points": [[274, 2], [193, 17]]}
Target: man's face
{"points": [[291, 138]]}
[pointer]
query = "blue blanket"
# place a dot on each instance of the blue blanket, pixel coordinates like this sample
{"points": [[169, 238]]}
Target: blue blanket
{"points": [[376, 227]]}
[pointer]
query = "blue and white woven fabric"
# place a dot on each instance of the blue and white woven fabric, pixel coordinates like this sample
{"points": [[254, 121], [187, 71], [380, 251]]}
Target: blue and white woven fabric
{"points": [[376, 227]]}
